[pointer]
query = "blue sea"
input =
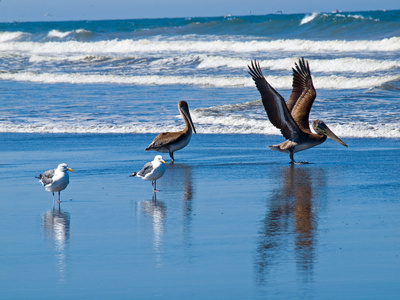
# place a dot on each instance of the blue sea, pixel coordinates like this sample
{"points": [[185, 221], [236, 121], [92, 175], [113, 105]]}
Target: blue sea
{"points": [[232, 219], [127, 76]]}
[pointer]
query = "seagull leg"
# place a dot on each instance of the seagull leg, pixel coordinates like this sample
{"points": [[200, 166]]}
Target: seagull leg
{"points": [[53, 200], [59, 200], [154, 184]]}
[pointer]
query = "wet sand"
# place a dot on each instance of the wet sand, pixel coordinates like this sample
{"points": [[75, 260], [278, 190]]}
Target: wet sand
{"points": [[232, 220]]}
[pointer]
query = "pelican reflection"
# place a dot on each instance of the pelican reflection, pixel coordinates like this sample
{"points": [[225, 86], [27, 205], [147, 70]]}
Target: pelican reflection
{"points": [[56, 226], [290, 221], [180, 178]]}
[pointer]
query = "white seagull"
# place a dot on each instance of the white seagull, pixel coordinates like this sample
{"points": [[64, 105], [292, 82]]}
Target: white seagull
{"points": [[55, 180], [152, 171]]}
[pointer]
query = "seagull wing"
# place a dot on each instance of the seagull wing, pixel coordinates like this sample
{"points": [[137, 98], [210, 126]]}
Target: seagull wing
{"points": [[147, 168], [274, 104], [47, 177]]}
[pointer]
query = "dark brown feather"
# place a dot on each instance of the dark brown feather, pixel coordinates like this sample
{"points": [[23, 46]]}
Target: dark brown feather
{"points": [[274, 104], [303, 95]]}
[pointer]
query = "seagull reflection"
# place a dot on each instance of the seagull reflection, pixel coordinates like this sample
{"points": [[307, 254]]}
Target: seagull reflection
{"points": [[56, 226], [155, 211], [179, 179], [292, 212]]}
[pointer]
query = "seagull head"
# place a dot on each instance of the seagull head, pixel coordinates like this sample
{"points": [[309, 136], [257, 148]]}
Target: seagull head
{"points": [[159, 158], [64, 168]]}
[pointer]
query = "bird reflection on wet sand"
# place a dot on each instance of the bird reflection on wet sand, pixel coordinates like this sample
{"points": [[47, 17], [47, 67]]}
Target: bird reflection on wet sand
{"points": [[180, 179], [56, 226], [156, 211], [292, 212]]}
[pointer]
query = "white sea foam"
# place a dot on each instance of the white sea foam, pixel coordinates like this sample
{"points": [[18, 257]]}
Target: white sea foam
{"points": [[149, 46], [11, 36], [345, 64], [309, 18], [58, 34], [284, 82], [228, 124]]}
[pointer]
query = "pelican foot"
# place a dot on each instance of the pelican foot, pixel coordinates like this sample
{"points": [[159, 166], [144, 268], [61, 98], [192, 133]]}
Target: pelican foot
{"points": [[299, 163]]}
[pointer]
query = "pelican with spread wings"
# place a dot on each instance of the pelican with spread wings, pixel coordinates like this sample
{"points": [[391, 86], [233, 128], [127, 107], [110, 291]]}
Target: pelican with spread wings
{"points": [[292, 117]]}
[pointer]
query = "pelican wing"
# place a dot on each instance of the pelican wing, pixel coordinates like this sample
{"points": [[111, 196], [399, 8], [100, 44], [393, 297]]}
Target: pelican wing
{"points": [[274, 104], [303, 94], [164, 139]]}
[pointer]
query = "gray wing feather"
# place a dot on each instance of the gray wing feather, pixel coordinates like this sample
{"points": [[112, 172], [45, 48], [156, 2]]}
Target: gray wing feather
{"points": [[146, 169], [47, 177]]}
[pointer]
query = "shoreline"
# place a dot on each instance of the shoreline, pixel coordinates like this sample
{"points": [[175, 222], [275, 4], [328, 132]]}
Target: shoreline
{"points": [[232, 219]]}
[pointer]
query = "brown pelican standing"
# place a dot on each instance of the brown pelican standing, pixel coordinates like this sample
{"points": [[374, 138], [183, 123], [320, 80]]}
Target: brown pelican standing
{"points": [[292, 117], [169, 142]]}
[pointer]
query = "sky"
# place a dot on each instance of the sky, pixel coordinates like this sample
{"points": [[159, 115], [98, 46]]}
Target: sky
{"points": [[68, 10]]}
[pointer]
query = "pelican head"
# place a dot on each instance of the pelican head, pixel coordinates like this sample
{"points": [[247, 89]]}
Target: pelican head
{"points": [[321, 128], [184, 109]]}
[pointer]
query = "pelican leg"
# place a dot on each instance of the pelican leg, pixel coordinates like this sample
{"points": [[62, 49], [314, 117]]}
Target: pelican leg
{"points": [[292, 161], [171, 154]]}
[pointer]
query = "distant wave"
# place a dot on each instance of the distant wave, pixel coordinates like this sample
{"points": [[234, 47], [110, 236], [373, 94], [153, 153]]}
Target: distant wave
{"points": [[285, 82], [346, 64], [12, 36], [198, 46], [203, 61], [57, 34], [229, 124], [309, 18]]}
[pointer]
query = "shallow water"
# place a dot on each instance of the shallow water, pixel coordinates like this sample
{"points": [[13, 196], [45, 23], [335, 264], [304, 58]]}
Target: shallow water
{"points": [[232, 220]]}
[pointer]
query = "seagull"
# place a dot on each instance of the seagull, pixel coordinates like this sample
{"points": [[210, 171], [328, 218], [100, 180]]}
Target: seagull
{"points": [[152, 171], [169, 142], [55, 180]]}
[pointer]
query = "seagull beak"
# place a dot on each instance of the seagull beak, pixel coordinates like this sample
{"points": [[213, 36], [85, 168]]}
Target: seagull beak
{"points": [[325, 130], [69, 169], [163, 161]]}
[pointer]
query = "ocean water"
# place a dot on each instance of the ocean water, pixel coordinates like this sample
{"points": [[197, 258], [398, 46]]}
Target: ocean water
{"points": [[127, 76], [232, 220]]}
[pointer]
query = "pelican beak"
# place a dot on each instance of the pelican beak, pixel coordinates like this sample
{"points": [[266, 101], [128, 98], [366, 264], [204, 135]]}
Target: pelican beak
{"points": [[69, 169], [189, 118], [325, 130]]}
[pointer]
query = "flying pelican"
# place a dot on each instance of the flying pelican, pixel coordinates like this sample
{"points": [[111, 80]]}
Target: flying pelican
{"points": [[292, 117], [169, 142], [152, 171], [55, 180]]}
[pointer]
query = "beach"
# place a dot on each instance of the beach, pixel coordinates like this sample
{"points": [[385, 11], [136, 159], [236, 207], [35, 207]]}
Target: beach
{"points": [[232, 220]]}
